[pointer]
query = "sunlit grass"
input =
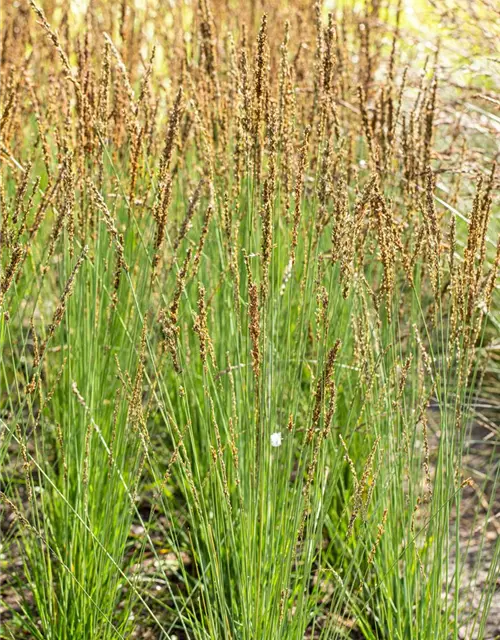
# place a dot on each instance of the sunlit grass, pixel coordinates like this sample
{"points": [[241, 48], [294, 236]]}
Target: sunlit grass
{"points": [[237, 238]]}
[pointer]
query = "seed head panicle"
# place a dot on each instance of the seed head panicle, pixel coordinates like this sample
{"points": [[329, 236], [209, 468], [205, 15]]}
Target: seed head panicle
{"points": [[172, 130], [201, 329], [299, 187]]}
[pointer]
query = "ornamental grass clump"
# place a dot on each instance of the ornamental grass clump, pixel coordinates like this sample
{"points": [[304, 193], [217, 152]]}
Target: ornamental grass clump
{"points": [[243, 330]]}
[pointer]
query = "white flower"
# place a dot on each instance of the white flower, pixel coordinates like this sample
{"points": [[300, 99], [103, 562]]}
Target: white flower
{"points": [[276, 439]]}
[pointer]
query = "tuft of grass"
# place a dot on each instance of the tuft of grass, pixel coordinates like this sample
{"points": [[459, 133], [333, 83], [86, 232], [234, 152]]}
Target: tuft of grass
{"points": [[243, 336]]}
